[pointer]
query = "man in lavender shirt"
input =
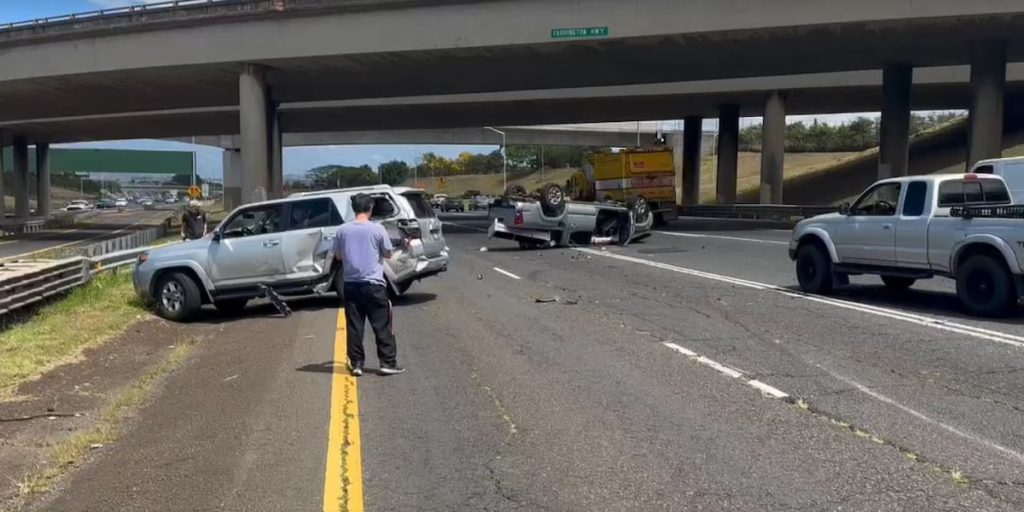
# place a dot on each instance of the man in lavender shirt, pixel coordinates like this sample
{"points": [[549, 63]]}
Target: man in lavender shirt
{"points": [[362, 246]]}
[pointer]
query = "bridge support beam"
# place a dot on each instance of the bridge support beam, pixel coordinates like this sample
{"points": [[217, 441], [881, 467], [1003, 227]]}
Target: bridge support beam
{"points": [[232, 179], [42, 179], [255, 138], [773, 148], [21, 207], [728, 153], [894, 146], [693, 135], [988, 84], [276, 153]]}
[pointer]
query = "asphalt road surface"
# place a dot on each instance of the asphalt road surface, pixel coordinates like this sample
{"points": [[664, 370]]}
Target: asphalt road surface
{"points": [[681, 373], [105, 225]]}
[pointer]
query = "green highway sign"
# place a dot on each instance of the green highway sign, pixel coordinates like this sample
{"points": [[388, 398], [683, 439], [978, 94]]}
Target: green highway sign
{"points": [[570, 33]]}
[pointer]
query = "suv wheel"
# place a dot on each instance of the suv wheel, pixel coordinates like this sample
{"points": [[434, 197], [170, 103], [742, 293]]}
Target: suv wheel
{"points": [[985, 286], [814, 269], [896, 283], [178, 297]]}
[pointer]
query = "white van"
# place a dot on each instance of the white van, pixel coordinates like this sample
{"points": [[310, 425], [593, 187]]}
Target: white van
{"points": [[1010, 169]]}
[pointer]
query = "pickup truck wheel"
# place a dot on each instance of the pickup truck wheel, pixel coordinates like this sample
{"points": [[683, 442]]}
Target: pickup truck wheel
{"points": [[552, 200], [814, 270], [515, 191], [231, 307], [896, 283], [178, 297], [985, 286]]}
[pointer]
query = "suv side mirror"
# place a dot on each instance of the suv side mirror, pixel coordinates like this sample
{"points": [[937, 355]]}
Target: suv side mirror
{"points": [[217, 236], [844, 208]]}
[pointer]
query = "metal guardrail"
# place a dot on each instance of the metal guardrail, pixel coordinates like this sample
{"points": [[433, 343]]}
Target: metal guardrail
{"points": [[23, 283], [778, 212], [115, 11]]}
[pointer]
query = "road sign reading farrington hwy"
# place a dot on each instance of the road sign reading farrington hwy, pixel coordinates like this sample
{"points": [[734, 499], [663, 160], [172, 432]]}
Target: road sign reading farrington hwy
{"points": [[565, 33]]}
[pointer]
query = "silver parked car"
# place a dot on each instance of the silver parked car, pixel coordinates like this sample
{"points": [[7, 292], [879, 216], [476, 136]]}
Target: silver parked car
{"points": [[287, 244]]}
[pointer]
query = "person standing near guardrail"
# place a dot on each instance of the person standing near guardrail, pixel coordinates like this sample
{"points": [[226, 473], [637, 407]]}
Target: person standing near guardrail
{"points": [[193, 222], [362, 246]]}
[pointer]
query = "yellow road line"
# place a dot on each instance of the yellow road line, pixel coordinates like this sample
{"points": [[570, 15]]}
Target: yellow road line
{"points": [[343, 481]]}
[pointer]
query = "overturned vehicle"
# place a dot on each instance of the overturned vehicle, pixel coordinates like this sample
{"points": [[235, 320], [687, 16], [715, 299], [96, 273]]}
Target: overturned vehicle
{"points": [[549, 219]]}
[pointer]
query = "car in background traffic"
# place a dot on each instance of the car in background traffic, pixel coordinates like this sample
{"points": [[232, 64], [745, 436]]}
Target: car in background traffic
{"points": [[437, 201], [288, 246], [121, 203], [105, 204], [453, 204], [78, 205]]}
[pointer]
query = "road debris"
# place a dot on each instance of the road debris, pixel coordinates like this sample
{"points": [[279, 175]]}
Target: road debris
{"points": [[547, 300], [479, 277], [95, 446], [483, 249], [276, 300]]}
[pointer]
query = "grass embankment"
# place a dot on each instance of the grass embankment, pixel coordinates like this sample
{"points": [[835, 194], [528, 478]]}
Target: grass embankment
{"points": [[60, 331], [748, 175], [67, 453]]}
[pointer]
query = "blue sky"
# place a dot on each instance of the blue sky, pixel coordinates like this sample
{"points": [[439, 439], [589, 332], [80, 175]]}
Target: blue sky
{"points": [[296, 160]]}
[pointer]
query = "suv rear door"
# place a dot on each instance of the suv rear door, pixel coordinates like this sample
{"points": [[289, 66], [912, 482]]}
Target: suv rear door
{"points": [[430, 225], [307, 243]]}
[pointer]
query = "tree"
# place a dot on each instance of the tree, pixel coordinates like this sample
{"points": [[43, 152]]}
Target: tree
{"points": [[394, 172], [340, 176], [184, 179]]}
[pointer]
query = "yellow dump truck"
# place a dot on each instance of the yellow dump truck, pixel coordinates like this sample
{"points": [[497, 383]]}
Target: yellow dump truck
{"points": [[627, 175]]}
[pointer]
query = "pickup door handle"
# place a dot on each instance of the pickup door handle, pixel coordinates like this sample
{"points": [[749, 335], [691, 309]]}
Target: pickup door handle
{"points": [[271, 243], [328, 237], [886, 226]]}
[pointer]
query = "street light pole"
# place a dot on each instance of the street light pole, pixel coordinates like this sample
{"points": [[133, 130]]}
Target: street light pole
{"points": [[504, 158], [193, 161]]}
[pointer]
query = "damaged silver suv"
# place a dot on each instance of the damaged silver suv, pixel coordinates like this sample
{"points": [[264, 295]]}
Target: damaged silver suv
{"points": [[287, 245]]}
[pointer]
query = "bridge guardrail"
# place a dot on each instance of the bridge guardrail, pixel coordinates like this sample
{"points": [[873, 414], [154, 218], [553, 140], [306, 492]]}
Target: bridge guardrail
{"points": [[128, 9], [776, 212]]}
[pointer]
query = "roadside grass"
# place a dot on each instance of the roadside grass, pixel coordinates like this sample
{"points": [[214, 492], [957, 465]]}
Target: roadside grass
{"points": [[60, 331], [67, 453]]}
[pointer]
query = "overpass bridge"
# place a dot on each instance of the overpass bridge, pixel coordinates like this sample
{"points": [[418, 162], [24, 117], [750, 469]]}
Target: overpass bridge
{"points": [[337, 66]]}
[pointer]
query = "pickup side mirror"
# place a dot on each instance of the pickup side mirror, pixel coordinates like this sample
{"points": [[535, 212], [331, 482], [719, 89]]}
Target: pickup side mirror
{"points": [[844, 208]]}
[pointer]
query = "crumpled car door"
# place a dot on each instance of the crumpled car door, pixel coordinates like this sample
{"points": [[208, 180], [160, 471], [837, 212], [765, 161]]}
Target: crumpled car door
{"points": [[307, 252]]}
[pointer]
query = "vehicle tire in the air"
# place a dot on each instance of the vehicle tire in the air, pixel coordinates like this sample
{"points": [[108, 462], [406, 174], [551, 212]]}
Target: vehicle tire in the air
{"points": [[515, 191], [814, 269], [552, 200], [985, 286], [178, 297], [231, 307], [641, 211], [897, 283]]}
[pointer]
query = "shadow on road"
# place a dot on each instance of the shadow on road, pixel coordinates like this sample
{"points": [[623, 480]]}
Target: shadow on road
{"points": [[925, 302], [412, 299], [260, 308], [332, 367]]}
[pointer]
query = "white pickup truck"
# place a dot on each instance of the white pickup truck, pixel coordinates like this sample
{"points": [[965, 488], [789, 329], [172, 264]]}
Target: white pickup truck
{"points": [[960, 226]]}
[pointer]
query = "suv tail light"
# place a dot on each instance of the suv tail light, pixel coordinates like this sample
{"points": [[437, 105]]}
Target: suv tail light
{"points": [[519, 217], [410, 227]]}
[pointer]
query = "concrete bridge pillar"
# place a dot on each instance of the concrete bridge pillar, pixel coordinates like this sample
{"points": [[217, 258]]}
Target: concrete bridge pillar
{"points": [[276, 153], [255, 139], [42, 179], [773, 148], [693, 135], [988, 84], [232, 179], [894, 132], [21, 207], [728, 153]]}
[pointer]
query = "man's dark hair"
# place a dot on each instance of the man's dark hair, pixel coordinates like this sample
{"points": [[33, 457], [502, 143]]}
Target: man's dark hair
{"points": [[362, 203]]}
